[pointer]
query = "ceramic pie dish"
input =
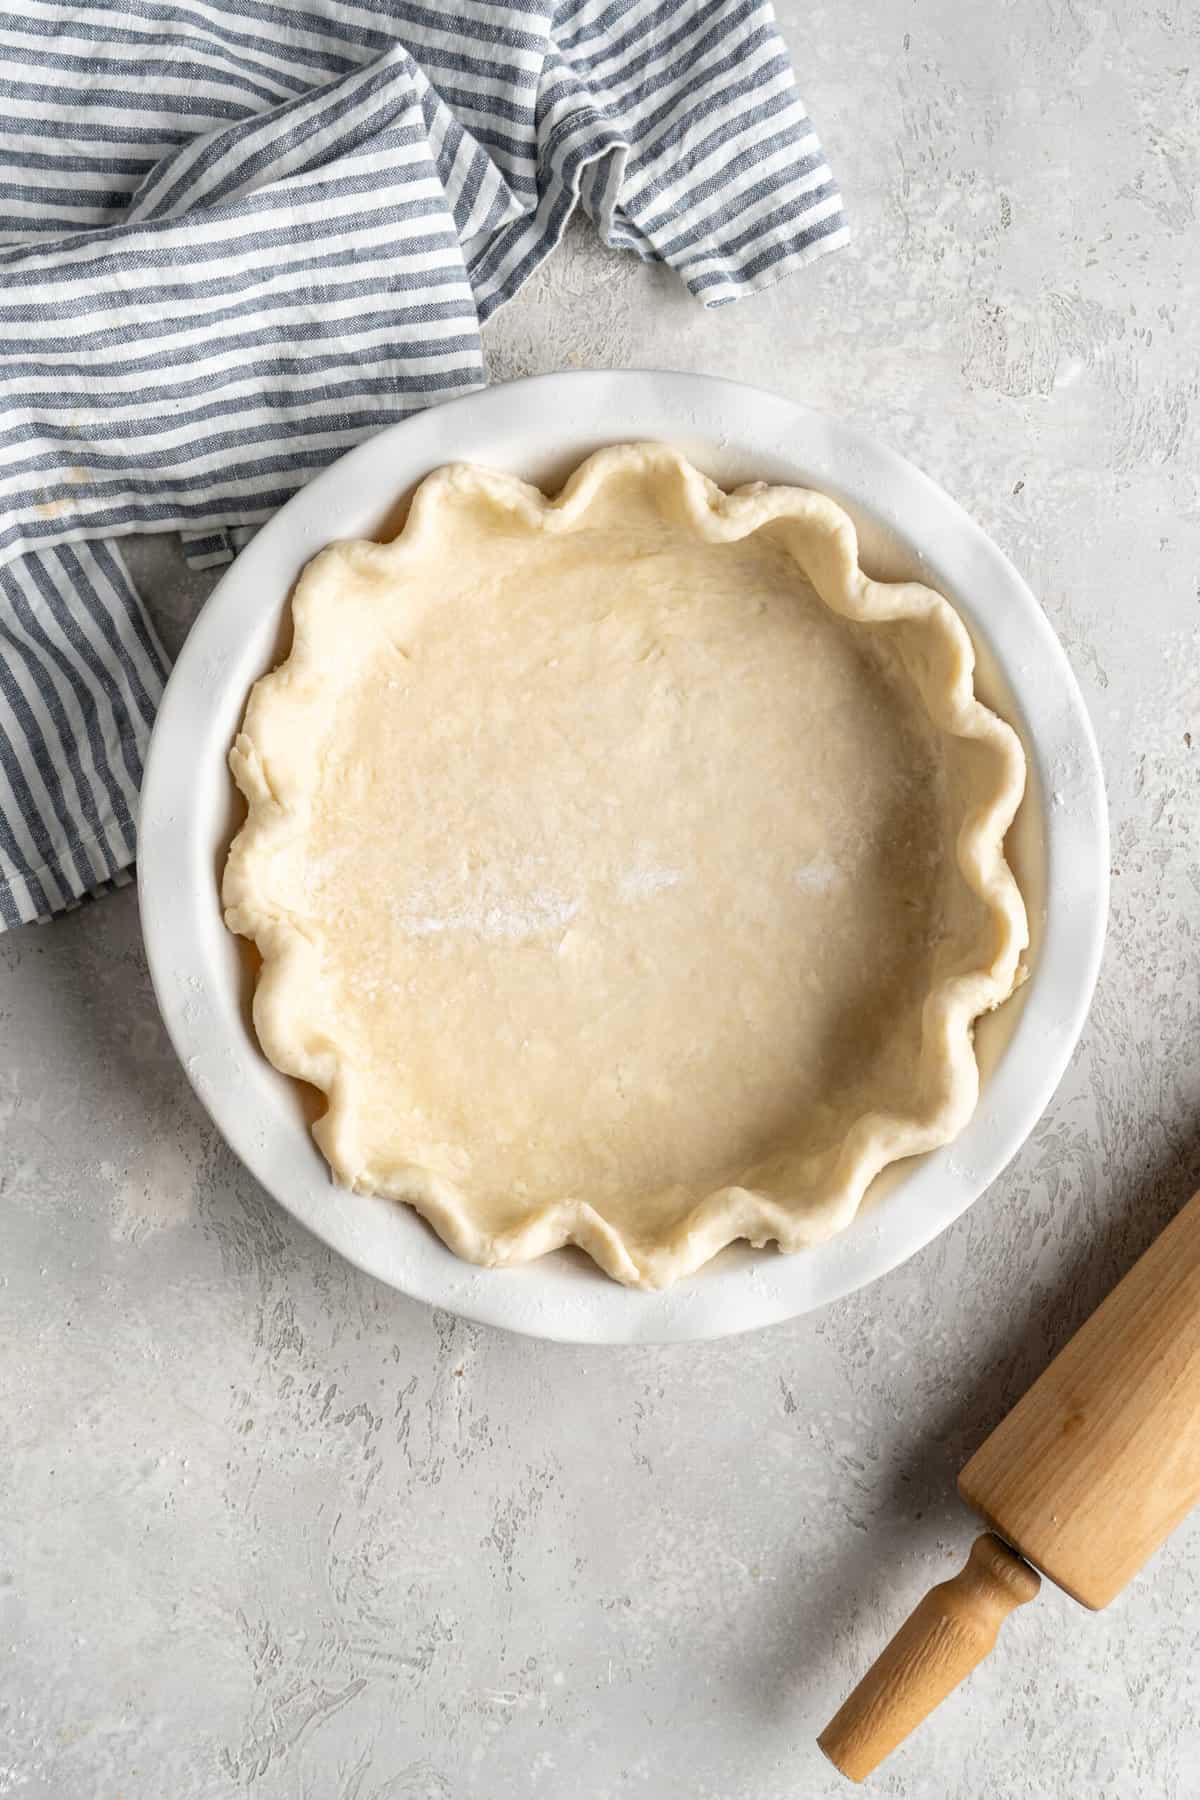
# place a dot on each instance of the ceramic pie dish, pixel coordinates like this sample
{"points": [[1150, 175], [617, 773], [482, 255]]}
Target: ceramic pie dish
{"points": [[908, 531]]}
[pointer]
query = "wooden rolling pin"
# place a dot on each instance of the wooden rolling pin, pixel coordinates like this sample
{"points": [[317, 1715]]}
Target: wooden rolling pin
{"points": [[1085, 1478]]}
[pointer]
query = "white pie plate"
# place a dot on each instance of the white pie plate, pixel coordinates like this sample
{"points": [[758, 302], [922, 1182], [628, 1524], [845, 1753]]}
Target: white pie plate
{"points": [[539, 429]]}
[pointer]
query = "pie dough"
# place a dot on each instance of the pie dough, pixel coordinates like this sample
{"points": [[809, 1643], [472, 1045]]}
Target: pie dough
{"points": [[627, 868]]}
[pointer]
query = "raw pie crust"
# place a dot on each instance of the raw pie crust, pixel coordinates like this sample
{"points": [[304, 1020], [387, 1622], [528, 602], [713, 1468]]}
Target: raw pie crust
{"points": [[627, 868]]}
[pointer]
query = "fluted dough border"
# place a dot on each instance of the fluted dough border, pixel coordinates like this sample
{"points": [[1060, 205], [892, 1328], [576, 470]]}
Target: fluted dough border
{"points": [[822, 538]]}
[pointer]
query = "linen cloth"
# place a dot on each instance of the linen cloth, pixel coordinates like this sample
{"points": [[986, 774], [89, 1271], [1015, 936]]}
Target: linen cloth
{"points": [[238, 236]]}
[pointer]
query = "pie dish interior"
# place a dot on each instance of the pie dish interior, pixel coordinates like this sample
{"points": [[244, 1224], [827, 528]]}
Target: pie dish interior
{"points": [[627, 868]]}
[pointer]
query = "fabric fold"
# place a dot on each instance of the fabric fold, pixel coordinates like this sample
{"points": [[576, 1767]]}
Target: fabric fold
{"points": [[81, 676]]}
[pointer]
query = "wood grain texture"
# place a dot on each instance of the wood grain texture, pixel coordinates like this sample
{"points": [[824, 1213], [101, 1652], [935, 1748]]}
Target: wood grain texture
{"points": [[946, 1635], [1100, 1460]]}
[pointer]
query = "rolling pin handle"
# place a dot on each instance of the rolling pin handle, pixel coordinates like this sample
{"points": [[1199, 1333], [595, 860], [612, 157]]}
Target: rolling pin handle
{"points": [[950, 1631]]}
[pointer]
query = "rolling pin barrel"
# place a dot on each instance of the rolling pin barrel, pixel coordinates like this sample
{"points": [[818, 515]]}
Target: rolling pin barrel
{"points": [[1099, 1462]]}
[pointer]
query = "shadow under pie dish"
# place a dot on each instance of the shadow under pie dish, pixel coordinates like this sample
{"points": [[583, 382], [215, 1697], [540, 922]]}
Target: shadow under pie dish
{"points": [[627, 868]]}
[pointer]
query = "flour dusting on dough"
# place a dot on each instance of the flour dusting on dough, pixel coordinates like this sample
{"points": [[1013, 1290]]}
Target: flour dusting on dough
{"points": [[492, 909], [643, 883], [497, 911]]}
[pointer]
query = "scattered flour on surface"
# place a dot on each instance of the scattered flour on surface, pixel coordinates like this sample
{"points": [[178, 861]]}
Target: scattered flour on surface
{"points": [[155, 1192]]}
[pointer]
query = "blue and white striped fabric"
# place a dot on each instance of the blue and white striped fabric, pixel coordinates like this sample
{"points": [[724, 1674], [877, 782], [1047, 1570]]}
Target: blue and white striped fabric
{"points": [[237, 236]]}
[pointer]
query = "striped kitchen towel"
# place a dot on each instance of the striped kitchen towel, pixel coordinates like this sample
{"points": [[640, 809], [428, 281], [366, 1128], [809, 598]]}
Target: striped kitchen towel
{"points": [[237, 236]]}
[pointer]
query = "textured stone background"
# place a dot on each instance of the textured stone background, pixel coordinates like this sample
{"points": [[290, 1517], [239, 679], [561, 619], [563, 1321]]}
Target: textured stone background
{"points": [[266, 1526]]}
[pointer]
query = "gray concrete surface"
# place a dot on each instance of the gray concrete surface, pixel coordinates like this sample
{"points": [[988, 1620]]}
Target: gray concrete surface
{"points": [[268, 1528]]}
